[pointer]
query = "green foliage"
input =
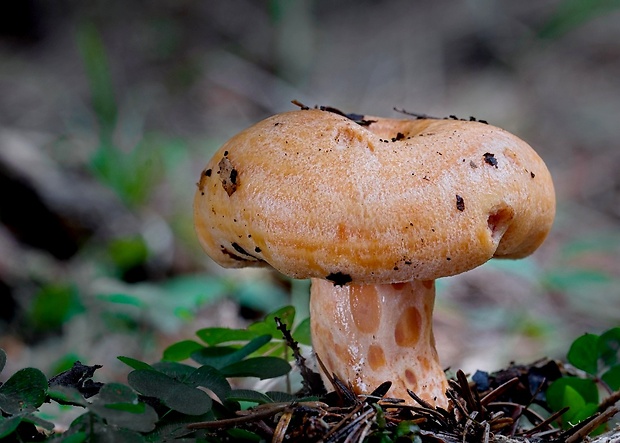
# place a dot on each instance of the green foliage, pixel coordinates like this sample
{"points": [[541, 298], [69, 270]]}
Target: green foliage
{"points": [[132, 171], [134, 163], [225, 345], [133, 174], [192, 384], [20, 396], [118, 404], [23, 392], [128, 252], [159, 399], [571, 14], [53, 305], [598, 356], [168, 305], [175, 394], [404, 432], [99, 78]]}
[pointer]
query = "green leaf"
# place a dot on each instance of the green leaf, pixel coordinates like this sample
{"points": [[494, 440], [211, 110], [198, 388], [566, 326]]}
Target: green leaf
{"points": [[24, 391], [249, 396], [609, 346], [583, 353], [2, 359], [572, 14], [612, 377], [173, 427], [261, 367], [87, 422], [116, 393], [216, 336], [275, 349], [211, 378], [406, 428], [268, 325], [220, 356], [181, 350], [575, 402], [123, 299], [43, 424], [580, 414], [174, 394], [302, 333], [101, 432], [179, 371], [137, 408], [216, 356], [133, 363], [573, 392], [65, 395], [280, 397], [119, 405], [8, 425]]}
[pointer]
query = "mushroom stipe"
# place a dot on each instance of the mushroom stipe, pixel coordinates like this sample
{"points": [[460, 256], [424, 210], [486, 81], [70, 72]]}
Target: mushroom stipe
{"points": [[365, 207]]}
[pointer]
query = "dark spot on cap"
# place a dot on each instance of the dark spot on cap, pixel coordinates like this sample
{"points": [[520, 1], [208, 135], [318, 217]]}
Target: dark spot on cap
{"points": [[339, 279], [208, 172], [225, 153], [239, 249], [460, 204], [228, 175], [490, 159], [257, 250], [231, 255], [399, 136], [532, 174]]}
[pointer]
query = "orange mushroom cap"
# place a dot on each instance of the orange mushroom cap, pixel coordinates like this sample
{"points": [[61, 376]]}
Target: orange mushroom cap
{"points": [[316, 195]]}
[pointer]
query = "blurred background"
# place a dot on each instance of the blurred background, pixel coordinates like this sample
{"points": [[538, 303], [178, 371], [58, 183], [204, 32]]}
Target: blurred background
{"points": [[109, 111]]}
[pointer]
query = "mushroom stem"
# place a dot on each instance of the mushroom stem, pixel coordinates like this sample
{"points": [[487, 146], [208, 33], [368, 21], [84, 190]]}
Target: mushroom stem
{"points": [[368, 334]]}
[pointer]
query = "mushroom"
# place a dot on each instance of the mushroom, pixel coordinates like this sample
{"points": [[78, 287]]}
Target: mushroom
{"points": [[373, 210]]}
